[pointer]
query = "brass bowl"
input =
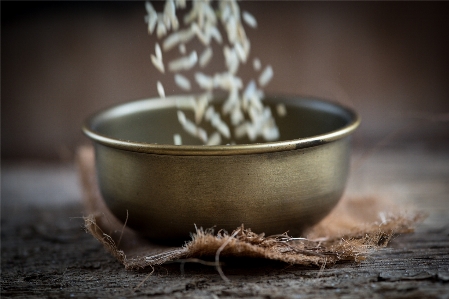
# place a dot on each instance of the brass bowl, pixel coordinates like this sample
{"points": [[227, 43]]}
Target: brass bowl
{"points": [[270, 187]]}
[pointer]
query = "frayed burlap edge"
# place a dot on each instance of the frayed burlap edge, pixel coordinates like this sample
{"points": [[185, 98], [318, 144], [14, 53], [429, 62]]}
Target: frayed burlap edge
{"points": [[130, 263], [245, 243], [338, 237]]}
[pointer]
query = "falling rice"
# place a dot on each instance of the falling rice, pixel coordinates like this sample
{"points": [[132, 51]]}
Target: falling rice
{"points": [[231, 103], [244, 106], [157, 60], [170, 15], [158, 63], [231, 59], [160, 89], [223, 129], [205, 35], [183, 63], [181, 117], [205, 57], [249, 19], [190, 127], [251, 132], [200, 106], [237, 116], [270, 133], [182, 49], [281, 110], [204, 81], [182, 82], [220, 125], [157, 51], [213, 32], [178, 37], [266, 76], [215, 139], [240, 131], [181, 3], [210, 111], [240, 51], [256, 64], [202, 135], [151, 18], [177, 140], [161, 29]]}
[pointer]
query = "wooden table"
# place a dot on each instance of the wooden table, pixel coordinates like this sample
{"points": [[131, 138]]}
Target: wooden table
{"points": [[46, 253]]}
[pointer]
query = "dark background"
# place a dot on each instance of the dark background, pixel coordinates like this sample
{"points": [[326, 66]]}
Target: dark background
{"points": [[61, 61]]}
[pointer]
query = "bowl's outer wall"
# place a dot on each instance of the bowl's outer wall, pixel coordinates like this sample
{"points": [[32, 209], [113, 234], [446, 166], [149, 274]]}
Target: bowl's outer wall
{"points": [[166, 195]]}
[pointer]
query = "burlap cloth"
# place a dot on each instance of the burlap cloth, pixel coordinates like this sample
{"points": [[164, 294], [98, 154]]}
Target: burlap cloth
{"points": [[355, 228]]}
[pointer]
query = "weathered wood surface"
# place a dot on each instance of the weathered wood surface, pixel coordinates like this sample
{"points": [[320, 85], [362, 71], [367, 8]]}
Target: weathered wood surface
{"points": [[46, 253]]}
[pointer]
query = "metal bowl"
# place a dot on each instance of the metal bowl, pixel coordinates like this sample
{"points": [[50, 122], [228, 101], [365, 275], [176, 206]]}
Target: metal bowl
{"points": [[270, 187]]}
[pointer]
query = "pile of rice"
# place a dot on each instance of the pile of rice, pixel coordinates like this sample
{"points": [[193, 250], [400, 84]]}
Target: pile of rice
{"points": [[244, 106]]}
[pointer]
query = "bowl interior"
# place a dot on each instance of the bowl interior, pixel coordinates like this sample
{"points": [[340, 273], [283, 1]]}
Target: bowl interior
{"points": [[155, 120]]}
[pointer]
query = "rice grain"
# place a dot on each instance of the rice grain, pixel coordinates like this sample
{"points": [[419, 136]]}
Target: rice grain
{"points": [[157, 51], [182, 82], [225, 13], [281, 110], [238, 48], [205, 57], [160, 89], [232, 61], [266, 76], [251, 132], [177, 139], [240, 131], [181, 117], [183, 63], [204, 81], [223, 129], [170, 18], [180, 3], [214, 139], [270, 133], [237, 116], [217, 123], [199, 34], [231, 28], [212, 32], [158, 63], [256, 64], [182, 49], [181, 36], [249, 19], [161, 29], [201, 105], [190, 127], [151, 18], [231, 103], [202, 135]]}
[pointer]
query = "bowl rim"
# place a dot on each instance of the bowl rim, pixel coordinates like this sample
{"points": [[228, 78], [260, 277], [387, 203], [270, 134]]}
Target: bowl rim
{"points": [[215, 150]]}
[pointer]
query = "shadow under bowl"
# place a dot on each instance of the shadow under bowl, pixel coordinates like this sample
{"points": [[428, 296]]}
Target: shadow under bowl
{"points": [[270, 187]]}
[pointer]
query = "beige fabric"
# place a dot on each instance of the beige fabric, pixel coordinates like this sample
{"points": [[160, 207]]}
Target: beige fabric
{"points": [[356, 227]]}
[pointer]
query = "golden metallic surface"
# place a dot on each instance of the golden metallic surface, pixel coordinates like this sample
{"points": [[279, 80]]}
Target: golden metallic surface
{"points": [[270, 187]]}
